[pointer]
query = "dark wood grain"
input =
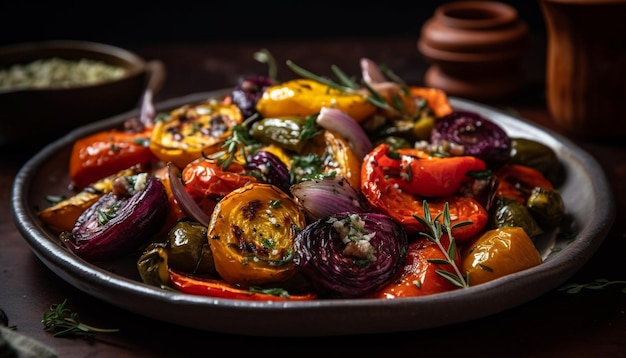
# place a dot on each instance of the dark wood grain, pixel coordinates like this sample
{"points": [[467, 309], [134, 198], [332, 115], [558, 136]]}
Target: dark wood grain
{"points": [[591, 323]]}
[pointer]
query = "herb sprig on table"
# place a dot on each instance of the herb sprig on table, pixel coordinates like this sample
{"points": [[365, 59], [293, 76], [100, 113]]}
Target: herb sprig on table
{"points": [[597, 284], [66, 323]]}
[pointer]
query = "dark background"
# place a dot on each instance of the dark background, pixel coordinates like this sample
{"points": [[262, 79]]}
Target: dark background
{"points": [[140, 22]]}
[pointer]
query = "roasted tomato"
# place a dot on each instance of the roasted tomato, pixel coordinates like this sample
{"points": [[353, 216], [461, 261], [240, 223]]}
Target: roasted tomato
{"points": [[418, 275], [498, 253], [383, 194], [105, 153], [304, 97], [251, 234], [194, 130]]}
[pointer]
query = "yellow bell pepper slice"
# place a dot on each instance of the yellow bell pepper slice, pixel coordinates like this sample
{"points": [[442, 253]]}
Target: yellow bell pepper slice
{"points": [[304, 97], [193, 130]]}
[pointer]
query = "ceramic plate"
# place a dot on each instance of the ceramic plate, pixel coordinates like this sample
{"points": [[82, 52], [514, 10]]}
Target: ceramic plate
{"points": [[585, 191]]}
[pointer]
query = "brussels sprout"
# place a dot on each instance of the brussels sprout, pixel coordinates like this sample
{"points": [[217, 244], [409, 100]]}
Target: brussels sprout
{"points": [[152, 265], [188, 249], [509, 213], [546, 205], [537, 155]]}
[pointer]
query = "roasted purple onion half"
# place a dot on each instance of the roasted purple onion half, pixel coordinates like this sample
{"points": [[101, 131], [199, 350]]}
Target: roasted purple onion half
{"points": [[270, 168], [120, 221], [350, 254], [477, 135]]}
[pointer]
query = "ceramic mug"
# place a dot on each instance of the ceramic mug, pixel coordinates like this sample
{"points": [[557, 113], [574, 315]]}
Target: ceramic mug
{"points": [[586, 66]]}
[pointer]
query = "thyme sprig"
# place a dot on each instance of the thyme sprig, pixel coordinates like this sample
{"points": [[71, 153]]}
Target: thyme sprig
{"points": [[597, 284], [66, 323], [238, 143], [435, 231]]}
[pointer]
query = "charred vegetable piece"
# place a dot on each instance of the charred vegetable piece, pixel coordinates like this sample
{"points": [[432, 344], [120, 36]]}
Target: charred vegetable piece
{"points": [[248, 92], [546, 206], [477, 135], [192, 131], [251, 234], [499, 252], [120, 221], [270, 169], [351, 254]]}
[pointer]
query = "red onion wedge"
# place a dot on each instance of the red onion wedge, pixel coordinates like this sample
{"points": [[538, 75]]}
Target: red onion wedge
{"points": [[118, 223], [340, 122], [185, 201], [324, 197]]}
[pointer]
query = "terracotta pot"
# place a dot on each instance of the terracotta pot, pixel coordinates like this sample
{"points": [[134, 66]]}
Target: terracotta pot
{"points": [[586, 66], [476, 49]]}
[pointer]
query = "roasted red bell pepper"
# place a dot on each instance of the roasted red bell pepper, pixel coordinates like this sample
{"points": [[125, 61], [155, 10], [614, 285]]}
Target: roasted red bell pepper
{"points": [[221, 289], [517, 181], [380, 185], [105, 153], [418, 275]]}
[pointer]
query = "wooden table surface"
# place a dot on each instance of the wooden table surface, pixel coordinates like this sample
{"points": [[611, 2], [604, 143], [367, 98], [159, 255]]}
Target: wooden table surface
{"points": [[557, 324]]}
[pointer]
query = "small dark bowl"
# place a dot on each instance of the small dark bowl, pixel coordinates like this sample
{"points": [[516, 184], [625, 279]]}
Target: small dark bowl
{"points": [[35, 116]]}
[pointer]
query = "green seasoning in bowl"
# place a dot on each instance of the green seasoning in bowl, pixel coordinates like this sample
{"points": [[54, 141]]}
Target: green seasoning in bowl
{"points": [[57, 72]]}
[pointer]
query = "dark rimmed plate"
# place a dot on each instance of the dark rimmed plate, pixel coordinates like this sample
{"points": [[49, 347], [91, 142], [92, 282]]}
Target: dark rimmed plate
{"points": [[586, 193]]}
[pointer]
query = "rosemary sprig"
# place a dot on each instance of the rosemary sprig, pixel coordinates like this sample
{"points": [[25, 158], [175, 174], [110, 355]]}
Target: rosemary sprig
{"points": [[597, 284], [324, 80], [66, 323], [435, 231], [347, 85]]}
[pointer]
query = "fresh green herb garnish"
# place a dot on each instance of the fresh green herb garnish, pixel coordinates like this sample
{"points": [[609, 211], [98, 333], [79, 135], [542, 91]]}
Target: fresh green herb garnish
{"points": [[597, 284], [65, 323], [435, 231]]}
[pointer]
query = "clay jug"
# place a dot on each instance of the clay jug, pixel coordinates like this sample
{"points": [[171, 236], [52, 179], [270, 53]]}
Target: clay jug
{"points": [[475, 49], [586, 66]]}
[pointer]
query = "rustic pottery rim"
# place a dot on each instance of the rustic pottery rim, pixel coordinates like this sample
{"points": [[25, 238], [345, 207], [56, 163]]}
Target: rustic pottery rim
{"points": [[476, 14]]}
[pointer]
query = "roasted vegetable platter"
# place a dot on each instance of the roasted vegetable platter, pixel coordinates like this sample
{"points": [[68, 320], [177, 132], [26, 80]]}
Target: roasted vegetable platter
{"points": [[276, 286]]}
